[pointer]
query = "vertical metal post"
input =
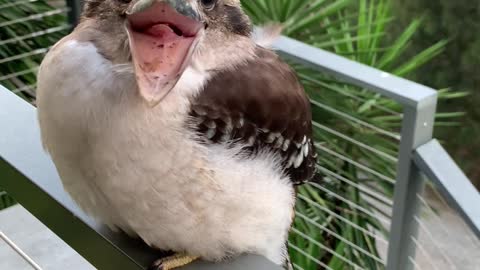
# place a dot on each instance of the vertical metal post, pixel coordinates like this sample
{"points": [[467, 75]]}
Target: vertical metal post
{"points": [[75, 7], [417, 129]]}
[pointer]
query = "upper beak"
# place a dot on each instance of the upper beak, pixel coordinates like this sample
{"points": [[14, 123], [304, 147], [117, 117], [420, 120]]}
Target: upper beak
{"points": [[183, 7], [163, 35]]}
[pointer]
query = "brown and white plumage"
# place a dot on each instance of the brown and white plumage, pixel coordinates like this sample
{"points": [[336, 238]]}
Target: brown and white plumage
{"points": [[202, 160], [262, 106]]}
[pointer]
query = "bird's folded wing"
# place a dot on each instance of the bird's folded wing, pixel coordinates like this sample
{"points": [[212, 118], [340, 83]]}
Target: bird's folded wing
{"points": [[262, 105]]}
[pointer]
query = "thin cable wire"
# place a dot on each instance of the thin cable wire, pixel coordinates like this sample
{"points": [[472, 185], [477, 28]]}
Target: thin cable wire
{"points": [[364, 189], [374, 205], [384, 240], [415, 265], [349, 202], [435, 243], [473, 239], [424, 252], [296, 266], [20, 252], [309, 256], [429, 209], [356, 164], [24, 55], [339, 237], [342, 218], [356, 120], [329, 250], [358, 143], [373, 185], [35, 17], [19, 73], [35, 34], [24, 88], [326, 86], [57, 2], [16, 3]]}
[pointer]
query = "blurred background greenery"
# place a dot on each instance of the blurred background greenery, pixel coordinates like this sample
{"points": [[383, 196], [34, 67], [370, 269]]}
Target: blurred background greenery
{"points": [[341, 220], [457, 67]]}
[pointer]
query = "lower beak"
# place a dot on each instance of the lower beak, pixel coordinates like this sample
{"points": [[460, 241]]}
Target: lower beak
{"points": [[162, 35]]}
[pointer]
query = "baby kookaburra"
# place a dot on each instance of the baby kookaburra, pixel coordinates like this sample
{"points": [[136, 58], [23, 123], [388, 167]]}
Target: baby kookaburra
{"points": [[167, 121]]}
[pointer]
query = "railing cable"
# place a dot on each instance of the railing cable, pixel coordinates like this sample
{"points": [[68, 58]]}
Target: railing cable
{"points": [[20, 252], [35, 17], [347, 201], [435, 243], [24, 55], [16, 3], [296, 266], [18, 73], [358, 143], [35, 34], [424, 253], [300, 196], [334, 253], [299, 250], [364, 189], [356, 164], [339, 237], [356, 120]]}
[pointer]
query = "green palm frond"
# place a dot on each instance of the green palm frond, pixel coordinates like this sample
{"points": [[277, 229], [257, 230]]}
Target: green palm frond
{"points": [[340, 221]]}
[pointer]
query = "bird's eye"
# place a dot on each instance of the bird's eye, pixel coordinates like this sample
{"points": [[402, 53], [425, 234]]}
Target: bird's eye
{"points": [[208, 4]]}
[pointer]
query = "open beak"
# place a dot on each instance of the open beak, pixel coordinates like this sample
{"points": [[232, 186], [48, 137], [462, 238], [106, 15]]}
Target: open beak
{"points": [[162, 35]]}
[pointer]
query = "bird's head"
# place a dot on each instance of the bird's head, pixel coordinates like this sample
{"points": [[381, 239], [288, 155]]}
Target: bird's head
{"points": [[164, 37]]}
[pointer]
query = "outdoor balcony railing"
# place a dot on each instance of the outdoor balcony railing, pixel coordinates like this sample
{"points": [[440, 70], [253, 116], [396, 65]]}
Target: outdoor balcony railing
{"points": [[28, 175]]}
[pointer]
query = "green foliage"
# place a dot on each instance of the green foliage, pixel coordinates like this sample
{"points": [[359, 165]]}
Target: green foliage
{"points": [[27, 30], [459, 22], [340, 221], [23, 42], [5, 200]]}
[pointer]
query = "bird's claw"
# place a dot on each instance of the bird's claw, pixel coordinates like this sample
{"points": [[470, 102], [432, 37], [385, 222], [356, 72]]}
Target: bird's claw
{"points": [[172, 262]]}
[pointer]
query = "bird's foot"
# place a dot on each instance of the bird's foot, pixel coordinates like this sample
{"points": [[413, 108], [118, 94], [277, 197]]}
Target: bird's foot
{"points": [[172, 262]]}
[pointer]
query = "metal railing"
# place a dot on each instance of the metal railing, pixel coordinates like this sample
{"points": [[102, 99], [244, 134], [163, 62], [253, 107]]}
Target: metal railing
{"points": [[419, 153], [30, 177]]}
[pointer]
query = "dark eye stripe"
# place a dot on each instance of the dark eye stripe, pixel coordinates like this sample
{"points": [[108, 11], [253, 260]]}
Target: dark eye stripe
{"points": [[237, 21]]}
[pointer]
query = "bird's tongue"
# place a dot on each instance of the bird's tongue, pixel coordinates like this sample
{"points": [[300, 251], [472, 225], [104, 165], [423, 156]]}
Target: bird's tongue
{"points": [[161, 31], [160, 56]]}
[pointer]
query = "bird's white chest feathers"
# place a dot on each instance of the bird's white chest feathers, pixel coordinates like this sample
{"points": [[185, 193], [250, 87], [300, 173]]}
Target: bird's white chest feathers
{"points": [[136, 168]]}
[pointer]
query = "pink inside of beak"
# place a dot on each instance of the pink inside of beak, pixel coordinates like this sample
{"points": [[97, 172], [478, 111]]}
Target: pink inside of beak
{"points": [[161, 43]]}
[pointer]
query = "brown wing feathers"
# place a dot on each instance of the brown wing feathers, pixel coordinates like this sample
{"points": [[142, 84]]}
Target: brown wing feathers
{"points": [[260, 104]]}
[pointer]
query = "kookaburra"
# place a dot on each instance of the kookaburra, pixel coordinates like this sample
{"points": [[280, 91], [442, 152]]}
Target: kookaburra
{"points": [[166, 120]]}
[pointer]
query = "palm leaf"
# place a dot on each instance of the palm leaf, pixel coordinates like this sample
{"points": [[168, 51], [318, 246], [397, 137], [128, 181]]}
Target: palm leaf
{"points": [[358, 129]]}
